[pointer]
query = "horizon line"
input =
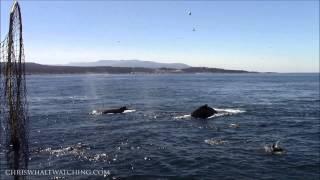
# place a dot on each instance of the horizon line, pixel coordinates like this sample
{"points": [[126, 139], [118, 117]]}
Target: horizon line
{"points": [[289, 72]]}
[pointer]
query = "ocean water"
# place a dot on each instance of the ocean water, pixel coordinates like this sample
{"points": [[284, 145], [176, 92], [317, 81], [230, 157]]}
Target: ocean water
{"points": [[158, 139]]}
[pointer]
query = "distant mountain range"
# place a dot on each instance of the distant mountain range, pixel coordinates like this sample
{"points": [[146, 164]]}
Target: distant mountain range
{"points": [[33, 68], [130, 63]]}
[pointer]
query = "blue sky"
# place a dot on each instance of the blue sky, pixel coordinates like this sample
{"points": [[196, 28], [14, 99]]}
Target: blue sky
{"points": [[280, 36]]}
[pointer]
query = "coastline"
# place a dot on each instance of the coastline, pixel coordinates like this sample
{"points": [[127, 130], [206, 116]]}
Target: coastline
{"points": [[33, 68]]}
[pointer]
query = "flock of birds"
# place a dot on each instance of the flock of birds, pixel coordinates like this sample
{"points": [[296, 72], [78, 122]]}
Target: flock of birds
{"points": [[190, 13], [274, 148]]}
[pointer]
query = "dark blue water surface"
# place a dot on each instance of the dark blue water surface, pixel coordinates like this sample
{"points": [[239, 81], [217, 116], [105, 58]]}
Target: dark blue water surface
{"points": [[154, 142]]}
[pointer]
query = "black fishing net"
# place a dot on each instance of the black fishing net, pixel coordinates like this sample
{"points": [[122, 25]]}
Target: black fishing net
{"points": [[13, 102]]}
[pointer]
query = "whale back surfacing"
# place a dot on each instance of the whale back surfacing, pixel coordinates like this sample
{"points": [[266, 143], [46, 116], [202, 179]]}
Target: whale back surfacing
{"points": [[203, 112], [114, 111]]}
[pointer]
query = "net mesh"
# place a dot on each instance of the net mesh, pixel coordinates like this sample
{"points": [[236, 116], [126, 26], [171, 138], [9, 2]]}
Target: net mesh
{"points": [[13, 101]]}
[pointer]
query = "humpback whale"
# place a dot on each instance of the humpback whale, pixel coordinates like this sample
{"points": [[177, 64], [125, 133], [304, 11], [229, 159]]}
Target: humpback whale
{"points": [[117, 110], [203, 112], [276, 149]]}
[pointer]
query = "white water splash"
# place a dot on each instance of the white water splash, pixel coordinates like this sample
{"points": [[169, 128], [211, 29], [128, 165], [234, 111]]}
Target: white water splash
{"points": [[129, 110], [95, 112], [233, 125], [215, 141], [231, 111], [183, 116], [99, 112], [78, 150], [268, 149]]}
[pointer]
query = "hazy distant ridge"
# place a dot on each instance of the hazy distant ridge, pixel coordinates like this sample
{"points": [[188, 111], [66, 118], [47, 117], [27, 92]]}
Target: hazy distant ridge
{"points": [[130, 63], [33, 68]]}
